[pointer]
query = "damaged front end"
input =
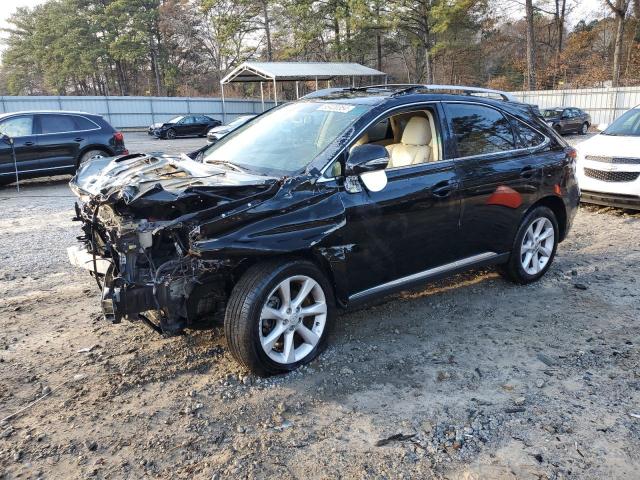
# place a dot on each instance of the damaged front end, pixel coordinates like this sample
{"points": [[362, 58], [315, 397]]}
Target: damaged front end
{"points": [[141, 217]]}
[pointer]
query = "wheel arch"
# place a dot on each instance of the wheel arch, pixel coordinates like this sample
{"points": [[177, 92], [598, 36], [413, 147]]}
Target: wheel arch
{"points": [[98, 146], [557, 206], [331, 265]]}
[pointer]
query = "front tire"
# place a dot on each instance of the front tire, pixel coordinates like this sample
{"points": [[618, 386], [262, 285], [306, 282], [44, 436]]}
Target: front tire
{"points": [[584, 128], [170, 135], [534, 247], [278, 316]]}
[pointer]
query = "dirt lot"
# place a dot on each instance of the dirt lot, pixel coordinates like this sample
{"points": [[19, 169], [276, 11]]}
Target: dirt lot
{"points": [[488, 379]]}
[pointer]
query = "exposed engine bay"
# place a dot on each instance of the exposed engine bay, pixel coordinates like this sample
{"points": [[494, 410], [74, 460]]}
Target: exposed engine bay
{"points": [[142, 213], [166, 237]]}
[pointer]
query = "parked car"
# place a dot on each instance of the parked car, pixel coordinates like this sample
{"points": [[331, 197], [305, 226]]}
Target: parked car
{"points": [[325, 203], [609, 164], [184, 126], [52, 143], [217, 133], [567, 120]]}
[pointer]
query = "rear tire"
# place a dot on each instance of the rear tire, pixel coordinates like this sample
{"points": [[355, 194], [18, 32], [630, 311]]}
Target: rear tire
{"points": [[270, 331], [534, 247], [90, 155]]}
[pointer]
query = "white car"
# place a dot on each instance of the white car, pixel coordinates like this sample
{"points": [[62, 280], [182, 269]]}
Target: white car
{"points": [[609, 164]]}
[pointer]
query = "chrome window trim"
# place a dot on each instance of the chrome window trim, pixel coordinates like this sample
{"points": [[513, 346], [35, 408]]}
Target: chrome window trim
{"points": [[52, 113], [424, 274], [546, 142], [322, 178], [69, 131]]}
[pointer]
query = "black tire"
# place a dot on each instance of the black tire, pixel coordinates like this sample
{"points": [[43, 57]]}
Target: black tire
{"points": [[513, 269], [170, 134], [584, 128], [242, 318], [90, 154]]}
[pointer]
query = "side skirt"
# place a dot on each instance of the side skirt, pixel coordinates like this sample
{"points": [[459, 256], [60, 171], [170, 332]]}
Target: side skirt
{"points": [[420, 278]]}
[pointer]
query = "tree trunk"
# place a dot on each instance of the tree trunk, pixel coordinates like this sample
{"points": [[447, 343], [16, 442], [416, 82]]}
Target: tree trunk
{"points": [[617, 52], [122, 79], [347, 26], [620, 11], [336, 31], [379, 38], [531, 53], [267, 29]]}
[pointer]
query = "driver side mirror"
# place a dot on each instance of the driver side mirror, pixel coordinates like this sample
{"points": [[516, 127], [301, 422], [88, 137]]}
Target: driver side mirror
{"points": [[366, 162], [6, 139], [366, 158]]}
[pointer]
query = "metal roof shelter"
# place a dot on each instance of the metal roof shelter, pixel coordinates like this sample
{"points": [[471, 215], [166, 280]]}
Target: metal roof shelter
{"points": [[294, 72]]}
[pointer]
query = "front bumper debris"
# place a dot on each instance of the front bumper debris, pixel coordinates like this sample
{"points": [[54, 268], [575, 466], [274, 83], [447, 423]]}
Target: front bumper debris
{"points": [[80, 257]]}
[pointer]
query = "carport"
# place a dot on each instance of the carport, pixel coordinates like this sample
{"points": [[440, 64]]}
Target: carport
{"points": [[275, 72]]}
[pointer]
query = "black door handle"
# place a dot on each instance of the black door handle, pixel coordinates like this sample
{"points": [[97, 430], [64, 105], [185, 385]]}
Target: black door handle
{"points": [[443, 189], [78, 139], [527, 172], [28, 144]]}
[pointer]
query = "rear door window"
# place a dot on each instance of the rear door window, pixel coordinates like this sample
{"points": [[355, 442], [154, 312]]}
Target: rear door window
{"points": [[479, 130], [21, 126], [57, 124]]}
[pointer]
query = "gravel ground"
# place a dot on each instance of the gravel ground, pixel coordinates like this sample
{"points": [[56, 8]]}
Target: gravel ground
{"points": [[471, 377]]}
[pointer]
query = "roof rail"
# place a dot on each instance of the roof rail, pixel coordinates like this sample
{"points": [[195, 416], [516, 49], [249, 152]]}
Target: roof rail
{"points": [[405, 88], [507, 97]]}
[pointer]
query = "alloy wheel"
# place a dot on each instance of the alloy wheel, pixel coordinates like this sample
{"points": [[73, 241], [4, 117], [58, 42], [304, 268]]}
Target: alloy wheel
{"points": [[171, 134], [585, 128], [537, 246], [293, 319]]}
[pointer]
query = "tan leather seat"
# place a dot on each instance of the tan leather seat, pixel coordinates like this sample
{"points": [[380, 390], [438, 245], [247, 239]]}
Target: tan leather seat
{"points": [[414, 147], [363, 140]]}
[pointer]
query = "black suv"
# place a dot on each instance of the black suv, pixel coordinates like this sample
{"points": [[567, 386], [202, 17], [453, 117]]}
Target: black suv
{"points": [[52, 143], [567, 120], [325, 202]]}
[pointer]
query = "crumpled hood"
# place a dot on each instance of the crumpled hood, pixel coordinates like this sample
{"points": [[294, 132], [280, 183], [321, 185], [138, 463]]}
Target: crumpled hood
{"points": [[164, 186]]}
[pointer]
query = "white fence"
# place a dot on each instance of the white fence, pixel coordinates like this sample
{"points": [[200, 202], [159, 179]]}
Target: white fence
{"points": [[603, 104], [134, 112]]}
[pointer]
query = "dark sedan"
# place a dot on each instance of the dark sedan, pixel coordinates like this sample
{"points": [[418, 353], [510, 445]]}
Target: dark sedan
{"points": [[52, 143], [184, 126], [567, 120]]}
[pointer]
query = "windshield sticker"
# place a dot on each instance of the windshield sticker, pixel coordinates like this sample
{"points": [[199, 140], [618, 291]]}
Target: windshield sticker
{"points": [[336, 107]]}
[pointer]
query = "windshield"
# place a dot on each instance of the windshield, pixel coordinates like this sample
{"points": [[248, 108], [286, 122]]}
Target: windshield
{"points": [[627, 125], [176, 119], [551, 112], [286, 139]]}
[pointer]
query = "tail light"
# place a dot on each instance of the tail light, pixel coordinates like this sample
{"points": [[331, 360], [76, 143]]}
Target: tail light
{"points": [[118, 137]]}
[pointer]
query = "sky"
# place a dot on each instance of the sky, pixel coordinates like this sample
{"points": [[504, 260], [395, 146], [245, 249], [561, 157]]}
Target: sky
{"points": [[587, 9]]}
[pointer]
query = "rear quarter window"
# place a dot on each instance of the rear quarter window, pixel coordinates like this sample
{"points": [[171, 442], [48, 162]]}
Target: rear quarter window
{"points": [[529, 137], [83, 123]]}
